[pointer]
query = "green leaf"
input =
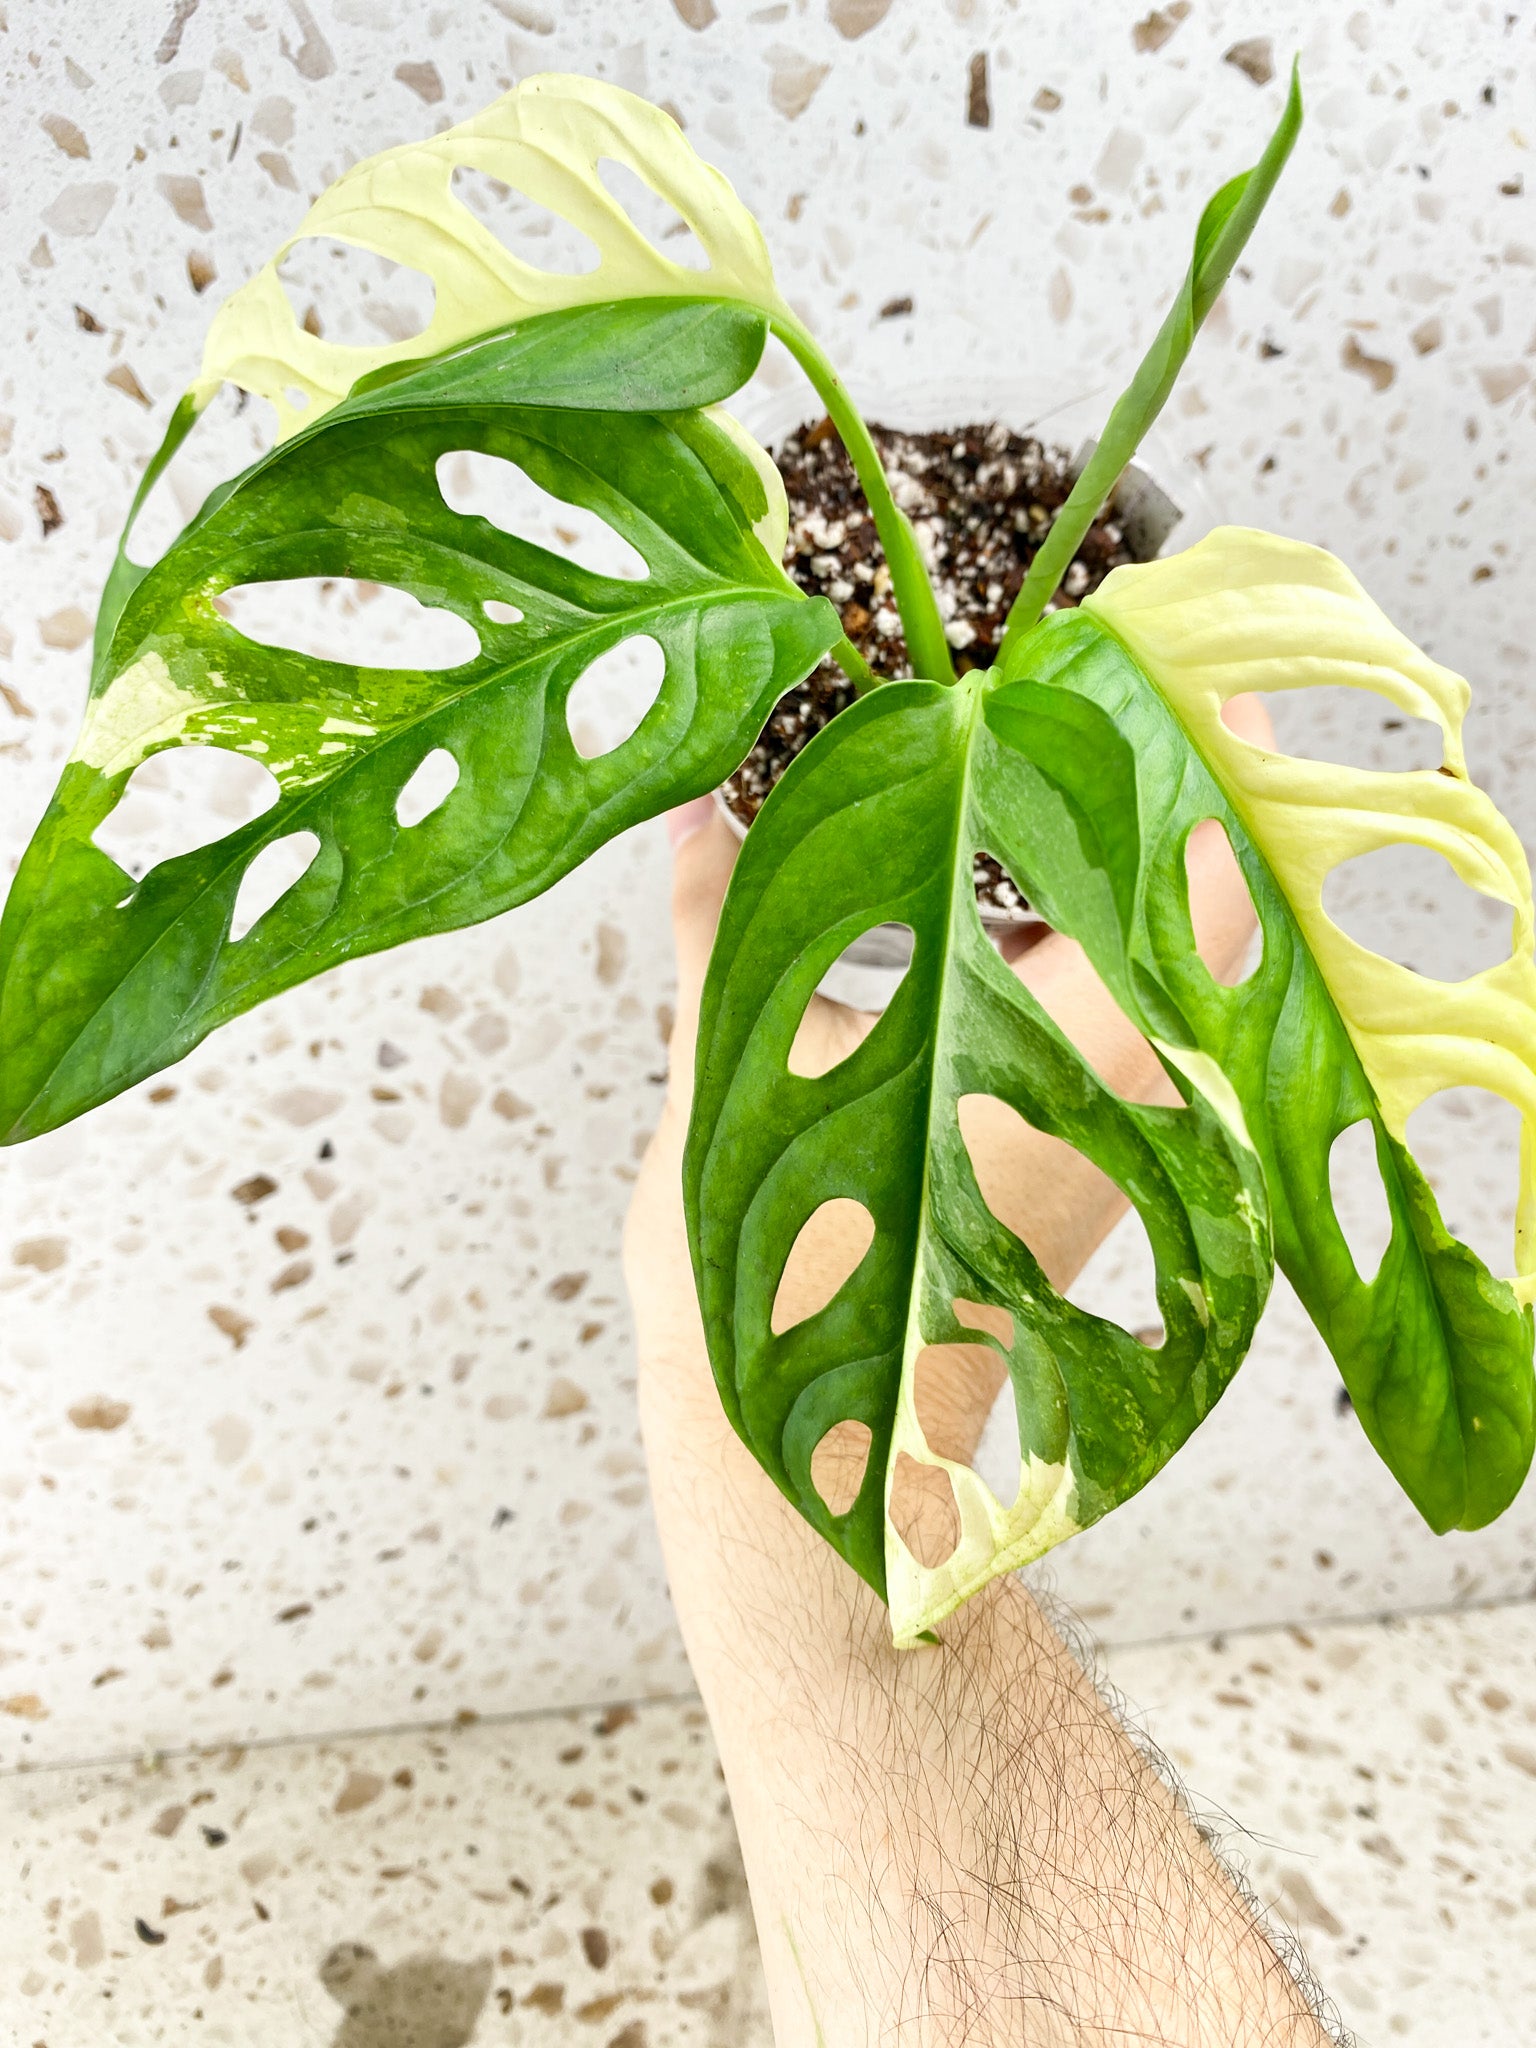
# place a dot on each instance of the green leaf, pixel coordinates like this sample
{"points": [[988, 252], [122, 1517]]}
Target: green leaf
{"points": [[102, 981], [878, 820], [1435, 1351], [1225, 226]]}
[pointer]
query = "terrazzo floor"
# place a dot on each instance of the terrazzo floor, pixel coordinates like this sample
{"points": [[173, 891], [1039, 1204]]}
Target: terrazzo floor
{"points": [[575, 1878]]}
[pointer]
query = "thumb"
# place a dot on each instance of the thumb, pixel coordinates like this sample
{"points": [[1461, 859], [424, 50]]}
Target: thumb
{"points": [[704, 853]]}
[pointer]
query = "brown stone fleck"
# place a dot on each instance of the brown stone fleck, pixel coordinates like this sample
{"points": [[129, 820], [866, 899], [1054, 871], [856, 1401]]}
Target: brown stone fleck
{"points": [[564, 1398], [86, 1940], [256, 1189], [612, 951], [200, 270], [614, 1718], [50, 518], [595, 1947], [122, 377], [603, 2008], [546, 1998], [184, 196], [294, 1274], [978, 98], [361, 1789], [1154, 29], [99, 1413], [663, 1891], [695, 14], [793, 80], [425, 80], [1254, 57], [1047, 100], [169, 1820], [235, 1326], [67, 628], [511, 1106], [24, 1706], [1302, 1905], [278, 169], [291, 1240], [312, 59], [65, 135], [42, 1254], [855, 18], [1376, 368]]}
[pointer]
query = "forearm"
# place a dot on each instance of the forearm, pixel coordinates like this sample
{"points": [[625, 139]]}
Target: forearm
{"points": [[945, 1845]]}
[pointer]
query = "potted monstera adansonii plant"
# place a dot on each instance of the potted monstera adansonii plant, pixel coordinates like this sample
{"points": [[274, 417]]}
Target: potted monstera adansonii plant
{"points": [[1081, 761]]}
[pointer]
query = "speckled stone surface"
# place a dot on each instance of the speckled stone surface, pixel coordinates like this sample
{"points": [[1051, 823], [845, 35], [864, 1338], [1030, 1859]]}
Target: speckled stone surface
{"points": [[566, 1878], [359, 1448], [575, 1877], [1378, 1784]]}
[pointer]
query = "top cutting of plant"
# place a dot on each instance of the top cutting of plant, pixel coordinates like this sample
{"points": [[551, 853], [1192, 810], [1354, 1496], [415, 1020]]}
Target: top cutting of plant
{"points": [[1082, 762]]}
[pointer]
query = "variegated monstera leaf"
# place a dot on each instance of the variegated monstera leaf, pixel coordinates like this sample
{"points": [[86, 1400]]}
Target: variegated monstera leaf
{"points": [[1084, 765], [602, 388]]}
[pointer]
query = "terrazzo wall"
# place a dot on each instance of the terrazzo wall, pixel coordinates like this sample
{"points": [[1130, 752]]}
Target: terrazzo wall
{"points": [[316, 1394]]}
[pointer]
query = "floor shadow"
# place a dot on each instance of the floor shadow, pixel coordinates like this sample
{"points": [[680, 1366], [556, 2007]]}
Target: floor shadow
{"points": [[422, 2002]]}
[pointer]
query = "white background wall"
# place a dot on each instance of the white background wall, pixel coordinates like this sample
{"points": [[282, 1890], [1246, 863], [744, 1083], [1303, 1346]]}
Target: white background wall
{"points": [[392, 1472]]}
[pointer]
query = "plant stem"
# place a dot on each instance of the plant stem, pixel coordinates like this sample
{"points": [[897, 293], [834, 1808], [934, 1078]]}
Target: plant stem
{"points": [[915, 600], [855, 667]]}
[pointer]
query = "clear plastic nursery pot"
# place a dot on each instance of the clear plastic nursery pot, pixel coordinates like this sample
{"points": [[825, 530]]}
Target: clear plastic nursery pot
{"points": [[871, 968]]}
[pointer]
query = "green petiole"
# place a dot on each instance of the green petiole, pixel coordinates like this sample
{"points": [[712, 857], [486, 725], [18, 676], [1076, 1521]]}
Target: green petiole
{"points": [[915, 599]]}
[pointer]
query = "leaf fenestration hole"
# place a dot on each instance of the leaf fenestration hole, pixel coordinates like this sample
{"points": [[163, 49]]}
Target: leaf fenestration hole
{"points": [[839, 1463], [501, 614], [923, 1511], [493, 488], [1352, 727], [1408, 904], [1119, 1282], [953, 1389], [1012, 1162], [1228, 936], [1359, 1199], [344, 619], [228, 437], [532, 233], [1467, 1144], [350, 296], [861, 982], [181, 799], [275, 870], [607, 703], [660, 223], [982, 1315], [829, 1248], [429, 787]]}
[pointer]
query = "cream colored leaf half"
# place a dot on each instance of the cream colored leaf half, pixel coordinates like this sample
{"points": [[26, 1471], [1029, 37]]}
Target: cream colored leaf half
{"points": [[1244, 610], [995, 1537], [544, 139]]}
